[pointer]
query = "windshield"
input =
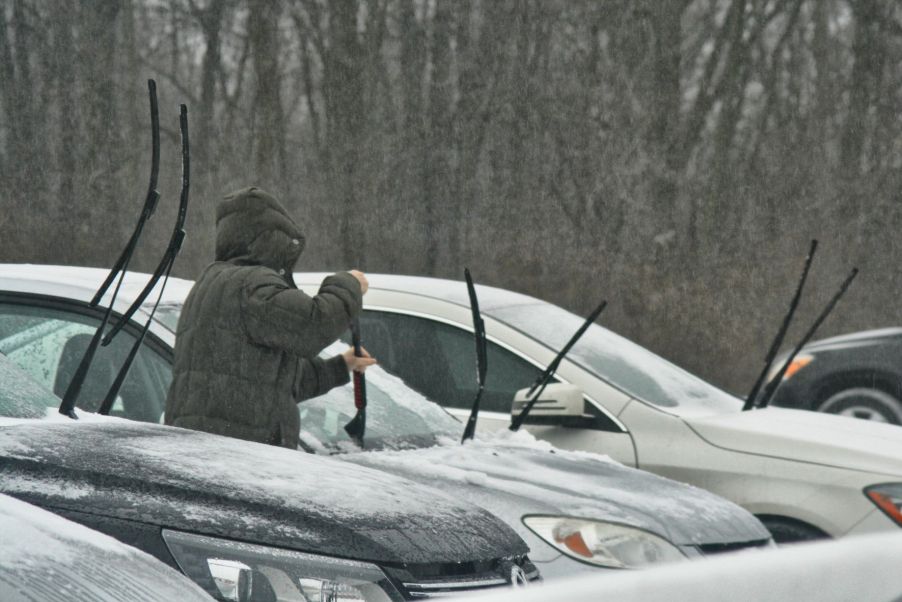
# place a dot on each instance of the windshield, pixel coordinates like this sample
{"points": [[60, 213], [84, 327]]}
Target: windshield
{"points": [[397, 417], [168, 315], [622, 363], [20, 396]]}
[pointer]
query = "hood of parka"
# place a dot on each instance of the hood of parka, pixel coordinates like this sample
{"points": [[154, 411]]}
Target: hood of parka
{"points": [[252, 228]]}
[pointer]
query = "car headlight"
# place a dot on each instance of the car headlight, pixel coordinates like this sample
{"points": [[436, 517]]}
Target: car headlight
{"points": [[240, 572], [887, 497], [603, 544], [797, 363]]}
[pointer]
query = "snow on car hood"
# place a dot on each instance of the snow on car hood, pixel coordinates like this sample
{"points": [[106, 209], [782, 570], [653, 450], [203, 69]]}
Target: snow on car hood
{"points": [[807, 437], [854, 568], [513, 474], [36, 543], [241, 490]]}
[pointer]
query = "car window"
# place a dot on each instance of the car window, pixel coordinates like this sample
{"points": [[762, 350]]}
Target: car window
{"points": [[20, 396], [48, 344], [439, 360], [397, 417], [617, 360], [168, 314]]}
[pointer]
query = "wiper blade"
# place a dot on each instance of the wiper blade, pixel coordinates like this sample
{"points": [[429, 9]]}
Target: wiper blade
{"points": [[538, 387], [781, 333], [150, 200], [772, 386], [67, 406], [481, 357], [175, 241], [172, 251], [356, 427]]}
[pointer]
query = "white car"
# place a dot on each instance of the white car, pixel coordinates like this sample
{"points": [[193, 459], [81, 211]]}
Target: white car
{"points": [[863, 568], [805, 475], [613, 516]]}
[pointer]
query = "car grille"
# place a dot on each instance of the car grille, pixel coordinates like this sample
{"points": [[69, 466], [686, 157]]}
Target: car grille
{"points": [[447, 580], [723, 548]]}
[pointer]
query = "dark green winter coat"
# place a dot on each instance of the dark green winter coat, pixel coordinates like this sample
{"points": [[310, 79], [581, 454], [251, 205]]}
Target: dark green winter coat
{"points": [[247, 338]]}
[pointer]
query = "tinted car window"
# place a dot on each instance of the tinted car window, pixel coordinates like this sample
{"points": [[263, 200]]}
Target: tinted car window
{"points": [[439, 360], [48, 344], [628, 366]]}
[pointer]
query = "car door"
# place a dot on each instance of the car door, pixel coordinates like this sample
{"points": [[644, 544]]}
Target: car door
{"points": [[438, 359], [47, 338]]}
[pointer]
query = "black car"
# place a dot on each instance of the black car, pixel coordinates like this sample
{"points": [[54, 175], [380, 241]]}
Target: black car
{"points": [[247, 521], [858, 375]]}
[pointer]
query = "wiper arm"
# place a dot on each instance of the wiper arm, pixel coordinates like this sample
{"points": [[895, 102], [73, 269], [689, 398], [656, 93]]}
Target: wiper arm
{"points": [[150, 201], [538, 387], [772, 386], [172, 251], [67, 406], [356, 427], [175, 242], [781, 333], [481, 357]]}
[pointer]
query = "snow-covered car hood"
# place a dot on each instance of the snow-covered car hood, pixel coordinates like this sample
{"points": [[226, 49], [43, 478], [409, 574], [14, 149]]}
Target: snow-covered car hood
{"points": [[36, 544], [240, 490], [513, 474], [807, 437]]}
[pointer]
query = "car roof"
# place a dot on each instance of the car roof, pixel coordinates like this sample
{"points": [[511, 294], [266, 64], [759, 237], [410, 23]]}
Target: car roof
{"points": [[453, 291], [76, 282]]}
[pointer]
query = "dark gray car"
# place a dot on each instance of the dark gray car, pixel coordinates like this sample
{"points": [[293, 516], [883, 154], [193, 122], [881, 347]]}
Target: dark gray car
{"points": [[577, 511], [857, 375]]}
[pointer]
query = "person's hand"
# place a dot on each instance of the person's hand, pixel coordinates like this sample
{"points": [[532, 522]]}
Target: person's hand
{"points": [[364, 283], [358, 364]]}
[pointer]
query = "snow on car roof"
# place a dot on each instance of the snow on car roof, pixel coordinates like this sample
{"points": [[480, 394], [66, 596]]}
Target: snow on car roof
{"points": [[454, 291], [82, 282], [44, 556]]}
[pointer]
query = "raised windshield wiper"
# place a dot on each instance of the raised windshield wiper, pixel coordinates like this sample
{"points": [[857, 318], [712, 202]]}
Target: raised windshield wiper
{"points": [[538, 387], [150, 201], [481, 357], [175, 242], [772, 386], [356, 427], [121, 265], [165, 267], [781, 333]]}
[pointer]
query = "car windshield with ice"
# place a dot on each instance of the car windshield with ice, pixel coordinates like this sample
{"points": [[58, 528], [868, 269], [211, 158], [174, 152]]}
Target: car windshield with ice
{"points": [[397, 417]]}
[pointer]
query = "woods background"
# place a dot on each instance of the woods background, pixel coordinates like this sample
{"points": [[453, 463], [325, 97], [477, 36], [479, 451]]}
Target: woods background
{"points": [[672, 156]]}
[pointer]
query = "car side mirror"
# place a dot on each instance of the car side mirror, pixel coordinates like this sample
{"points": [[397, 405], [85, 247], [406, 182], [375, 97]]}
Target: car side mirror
{"points": [[560, 404]]}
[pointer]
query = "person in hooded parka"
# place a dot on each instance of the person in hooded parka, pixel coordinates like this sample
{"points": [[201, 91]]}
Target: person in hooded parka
{"points": [[247, 339]]}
